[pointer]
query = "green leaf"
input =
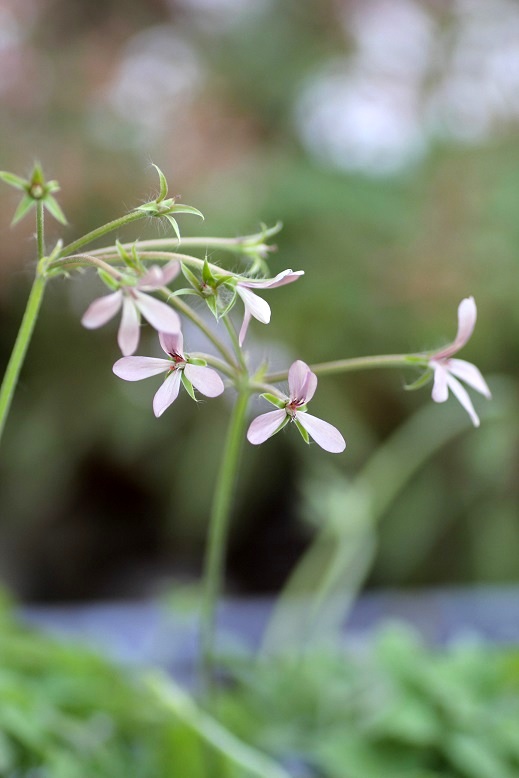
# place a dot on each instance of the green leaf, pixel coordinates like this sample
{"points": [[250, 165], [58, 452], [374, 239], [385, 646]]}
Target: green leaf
{"points": [[51, 204], [475, 758], [24, 206], [12, 180], [163, 184], [274, 400]]}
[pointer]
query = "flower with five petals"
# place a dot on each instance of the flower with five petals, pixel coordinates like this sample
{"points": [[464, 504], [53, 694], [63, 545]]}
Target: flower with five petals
{"points": [[302, 384], [447, 371], [256, 306], [135, 302], [178, 368]]}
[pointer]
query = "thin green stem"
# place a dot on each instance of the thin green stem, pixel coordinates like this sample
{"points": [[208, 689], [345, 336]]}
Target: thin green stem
{"points": [[20, 348], [230, 244], [40, 231], [357, 363], [218, 530], [235, 342], [122, 221]]}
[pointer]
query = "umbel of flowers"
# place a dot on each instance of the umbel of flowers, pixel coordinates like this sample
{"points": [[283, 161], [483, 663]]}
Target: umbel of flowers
{"points": [[142, 280]]}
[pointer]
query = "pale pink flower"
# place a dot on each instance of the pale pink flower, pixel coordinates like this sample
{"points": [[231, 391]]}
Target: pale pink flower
{"points": [[447, 370], [302, 384], [202, 378], [135, 302], [256, 306]]}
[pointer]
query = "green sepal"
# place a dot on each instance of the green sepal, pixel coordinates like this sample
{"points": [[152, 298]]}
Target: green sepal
{"points": [[229, 305], [274, 400], [421, 381], [53, 207], [131, 260], [213, 306], [183, 292], [207, 275], [411, 359], [107, 279], [283, 424], [163, 184], [190, 276], [304, 434], [24, 206], [174, 224], [13, 180], [188, 385], [181, 208], [197, 361]]}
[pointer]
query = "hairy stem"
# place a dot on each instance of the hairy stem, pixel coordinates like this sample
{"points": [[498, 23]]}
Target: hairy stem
{"points": [[357, 363], [122, 221]]}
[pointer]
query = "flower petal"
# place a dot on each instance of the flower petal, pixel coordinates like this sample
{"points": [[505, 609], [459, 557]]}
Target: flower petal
{"points": [[285, 277], [137, 368], [129, 328], [467, 315], [324, 434], [265, 426], [255, 305], [102, 310], [204, 379], [172, 343], [463, 398], [470, 374], [159, 314], [302, 383], [244, 327], [440, 390], [157, 276], [167, 394]]}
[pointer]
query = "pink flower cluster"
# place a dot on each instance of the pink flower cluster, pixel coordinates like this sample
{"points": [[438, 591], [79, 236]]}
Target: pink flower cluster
{"points": [[133, 298]]}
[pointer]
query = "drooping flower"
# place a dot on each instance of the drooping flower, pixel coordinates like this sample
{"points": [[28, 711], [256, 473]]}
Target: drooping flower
{"points": [[302, 384], [256, 306], [135, 302], [448, 370], [178, 368]]}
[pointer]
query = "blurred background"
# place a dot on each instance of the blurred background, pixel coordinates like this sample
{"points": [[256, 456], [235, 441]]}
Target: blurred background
{"points": [[384, 135]]}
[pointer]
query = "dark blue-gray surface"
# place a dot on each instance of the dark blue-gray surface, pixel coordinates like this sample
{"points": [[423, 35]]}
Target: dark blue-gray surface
{"points": [[150, 633]]}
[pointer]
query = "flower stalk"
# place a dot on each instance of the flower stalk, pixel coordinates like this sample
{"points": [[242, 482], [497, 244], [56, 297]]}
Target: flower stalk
{"points": [[214, 563]]}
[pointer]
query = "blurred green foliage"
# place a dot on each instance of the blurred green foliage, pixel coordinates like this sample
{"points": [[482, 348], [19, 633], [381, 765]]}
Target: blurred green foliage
{"points": [[396, 708], [387, 260], [391, 710]]}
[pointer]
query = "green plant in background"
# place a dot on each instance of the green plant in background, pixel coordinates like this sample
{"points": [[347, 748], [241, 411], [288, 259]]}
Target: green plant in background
{"points": [[393, 710]]}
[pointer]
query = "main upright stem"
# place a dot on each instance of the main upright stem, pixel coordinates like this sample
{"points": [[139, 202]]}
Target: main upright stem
{"points": [[217, 538], [23, 338]]}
